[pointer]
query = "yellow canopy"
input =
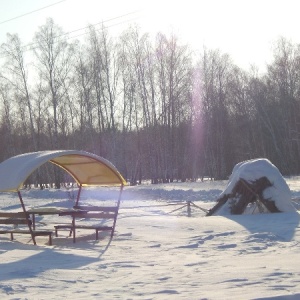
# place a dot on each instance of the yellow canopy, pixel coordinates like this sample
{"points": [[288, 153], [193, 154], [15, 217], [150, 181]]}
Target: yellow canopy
{"points": [[86, 168]]}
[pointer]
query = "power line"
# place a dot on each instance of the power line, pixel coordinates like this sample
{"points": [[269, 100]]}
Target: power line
{"points": [[105, 27], [32, 44], [75, 36], [30, 12], [112, 19], [105, 21]]}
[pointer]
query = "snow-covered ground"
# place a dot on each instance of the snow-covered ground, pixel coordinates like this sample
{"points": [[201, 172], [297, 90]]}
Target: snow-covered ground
{"points": [[158, 251]]}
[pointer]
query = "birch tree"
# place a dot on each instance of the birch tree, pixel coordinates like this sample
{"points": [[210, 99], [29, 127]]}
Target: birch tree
{"points": [[54, 65], [17, 75], [54, 56]]}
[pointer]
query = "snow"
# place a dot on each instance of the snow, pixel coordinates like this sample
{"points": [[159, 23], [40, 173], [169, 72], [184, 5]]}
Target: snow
{"points": [[254, 169], [87, 168], [158, 252]]}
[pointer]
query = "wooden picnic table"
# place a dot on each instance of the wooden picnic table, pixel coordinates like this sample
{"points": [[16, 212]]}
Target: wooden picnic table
{"points": [[81, 212], [52, 211]]}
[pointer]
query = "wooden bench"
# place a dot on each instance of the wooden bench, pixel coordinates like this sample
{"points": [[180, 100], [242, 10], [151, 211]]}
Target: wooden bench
{"points": [[90, 212], [20, 218]]}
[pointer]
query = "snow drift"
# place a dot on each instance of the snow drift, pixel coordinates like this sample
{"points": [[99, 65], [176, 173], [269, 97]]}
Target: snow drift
{"points": [[254, 186]]}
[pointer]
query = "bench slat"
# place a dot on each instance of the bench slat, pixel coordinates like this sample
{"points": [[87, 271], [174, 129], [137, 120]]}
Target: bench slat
{"points": [[34, 232], [97, 227], [71, 228], [20, 215], [97, 208], [93, 215], [16, 218], [14, 221], [100, 216], [94, 227], [90, 212]]}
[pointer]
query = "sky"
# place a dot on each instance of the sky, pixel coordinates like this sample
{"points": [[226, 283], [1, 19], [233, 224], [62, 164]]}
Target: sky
{"points": [[245, 29]]}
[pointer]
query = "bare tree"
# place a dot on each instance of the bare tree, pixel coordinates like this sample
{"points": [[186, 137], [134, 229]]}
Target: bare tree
{"points": [[17, 75], [103, 54], [174, 80], [54, 56], [86, 102], [7, 116], [54, 63], [130, 51], [216, 75]]}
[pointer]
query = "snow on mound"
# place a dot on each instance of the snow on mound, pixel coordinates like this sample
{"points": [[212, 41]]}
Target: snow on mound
{"points": [[253, 170]]}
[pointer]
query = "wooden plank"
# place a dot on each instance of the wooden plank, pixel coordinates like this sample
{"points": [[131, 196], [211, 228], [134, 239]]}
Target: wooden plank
{"points": [[35, 233], [98, 227], [14, 221], [13, 215], [99, 215], [97, 208]]}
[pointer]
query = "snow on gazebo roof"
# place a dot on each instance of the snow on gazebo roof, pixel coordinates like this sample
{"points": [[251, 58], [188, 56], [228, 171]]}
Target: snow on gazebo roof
{"points": [[86, 168]]}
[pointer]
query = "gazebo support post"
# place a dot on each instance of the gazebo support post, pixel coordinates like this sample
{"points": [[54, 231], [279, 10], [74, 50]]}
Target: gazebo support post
{"points": [[27, 218], [118, 205], [78, 195]]}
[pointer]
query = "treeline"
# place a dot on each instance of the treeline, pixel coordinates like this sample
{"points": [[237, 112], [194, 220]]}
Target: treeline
{"points": [[154, 108]]}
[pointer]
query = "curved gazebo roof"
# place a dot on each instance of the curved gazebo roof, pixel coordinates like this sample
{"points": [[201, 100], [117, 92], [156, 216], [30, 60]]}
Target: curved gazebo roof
{"points": [[86, 168]]}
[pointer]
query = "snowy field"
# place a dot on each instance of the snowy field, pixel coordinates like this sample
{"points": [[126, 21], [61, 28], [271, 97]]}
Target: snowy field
{"points": [[158, 251]]}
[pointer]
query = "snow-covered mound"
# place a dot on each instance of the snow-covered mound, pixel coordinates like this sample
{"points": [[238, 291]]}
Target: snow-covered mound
{"points": [[253, 170]]}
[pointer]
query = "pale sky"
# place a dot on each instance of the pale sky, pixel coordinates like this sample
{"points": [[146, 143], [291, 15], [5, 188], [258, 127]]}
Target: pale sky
{"points": [[245, 29]]}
